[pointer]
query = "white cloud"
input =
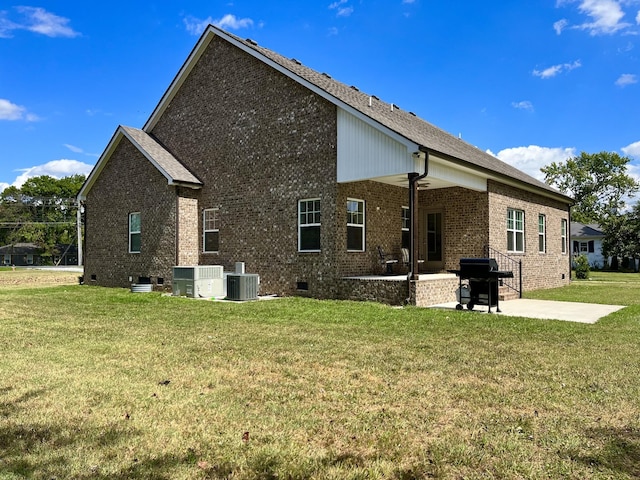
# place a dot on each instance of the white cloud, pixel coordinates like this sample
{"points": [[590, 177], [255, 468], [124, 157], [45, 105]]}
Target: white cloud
{"points": [[626, 79], [638, 18], [75, 149], [632, 150], [11, 111], [36, 20], [404, 2], [560, 25], [46, 23], [530, 159], [196, 26], [557, 69], [341, 11], [55, 168], [605, 15], [523, 105], [335, 5]]}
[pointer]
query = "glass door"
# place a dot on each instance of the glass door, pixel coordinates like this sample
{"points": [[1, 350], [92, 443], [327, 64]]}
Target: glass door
{"points": [[435, 254]]}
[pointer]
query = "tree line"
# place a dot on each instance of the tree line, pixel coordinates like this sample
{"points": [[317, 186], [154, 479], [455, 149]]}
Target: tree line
{"points": [[43, 211], [603, 191]]}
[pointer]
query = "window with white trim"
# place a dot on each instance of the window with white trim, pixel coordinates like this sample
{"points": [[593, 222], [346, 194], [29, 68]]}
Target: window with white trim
{"points": [[29, 259], [210, 230], [515, 230], [542, 234], [309, 225], [135, 232], [7, 259], [355, 225], [406, 229], [563, 234]]}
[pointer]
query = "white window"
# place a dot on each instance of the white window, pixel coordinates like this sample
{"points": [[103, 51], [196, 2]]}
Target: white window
{"points": [[29, 259], [542, 234], [406, 229], [515, 230], [7, 259], [135, 234], [355, 225], [210, 230], [563, 234], [309, 225]]}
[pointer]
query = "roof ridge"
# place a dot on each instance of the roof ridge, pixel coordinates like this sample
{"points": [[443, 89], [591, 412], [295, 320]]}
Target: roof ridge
{"points": [[391, 116]]}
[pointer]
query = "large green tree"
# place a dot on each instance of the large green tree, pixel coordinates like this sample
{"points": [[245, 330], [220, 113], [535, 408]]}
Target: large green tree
{"points": [[42, 211], [598, 182]]}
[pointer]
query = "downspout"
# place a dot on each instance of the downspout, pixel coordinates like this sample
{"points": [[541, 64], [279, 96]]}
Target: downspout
{"points": [[414, 178], [79, 233], [569, 245]]}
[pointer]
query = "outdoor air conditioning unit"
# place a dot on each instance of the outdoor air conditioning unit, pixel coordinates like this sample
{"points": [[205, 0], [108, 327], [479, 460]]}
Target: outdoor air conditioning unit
{"points": [[242, 286], [198, 281]]}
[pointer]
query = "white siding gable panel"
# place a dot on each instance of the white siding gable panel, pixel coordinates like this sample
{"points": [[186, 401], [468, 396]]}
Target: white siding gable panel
{"points": [[365, 152]]}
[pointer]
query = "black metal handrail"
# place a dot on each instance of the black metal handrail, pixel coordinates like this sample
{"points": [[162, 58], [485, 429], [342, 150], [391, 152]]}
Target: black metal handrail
{"points": [[509, 264]]}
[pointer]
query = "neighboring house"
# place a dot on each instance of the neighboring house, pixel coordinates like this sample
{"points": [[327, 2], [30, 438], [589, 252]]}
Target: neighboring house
{"points": [[253, 157], [587, 240], [21, 254]]}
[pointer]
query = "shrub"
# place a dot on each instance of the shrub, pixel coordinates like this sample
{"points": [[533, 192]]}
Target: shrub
{"points": [[582, 267]]}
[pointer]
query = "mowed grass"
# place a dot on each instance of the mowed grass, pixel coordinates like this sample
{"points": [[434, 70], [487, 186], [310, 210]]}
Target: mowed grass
{"points": [[108, 384]]}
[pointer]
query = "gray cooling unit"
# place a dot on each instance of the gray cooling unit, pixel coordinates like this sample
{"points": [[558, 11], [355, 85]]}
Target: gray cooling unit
{"points": [[198, 281], [242, 286]]}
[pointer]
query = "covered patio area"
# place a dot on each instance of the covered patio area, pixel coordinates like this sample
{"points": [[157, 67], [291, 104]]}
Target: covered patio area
{"points": [[423, 291]]}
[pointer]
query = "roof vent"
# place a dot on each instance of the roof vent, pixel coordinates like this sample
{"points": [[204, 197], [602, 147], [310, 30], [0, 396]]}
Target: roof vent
{"points": [[252, 42], [411, 113], [355, 88], [326, 75], [296, 61], [373, 96]]}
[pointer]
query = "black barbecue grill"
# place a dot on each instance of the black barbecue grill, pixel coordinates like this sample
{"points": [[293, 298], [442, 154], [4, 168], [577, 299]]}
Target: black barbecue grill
{"points": [[483, 277]]}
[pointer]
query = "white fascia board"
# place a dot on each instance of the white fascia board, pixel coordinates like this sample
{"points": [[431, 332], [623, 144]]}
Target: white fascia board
{"points": [[206, 38]]}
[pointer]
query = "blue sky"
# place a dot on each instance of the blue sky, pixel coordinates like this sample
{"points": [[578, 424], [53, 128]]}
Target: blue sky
{"points": [[531, 82]]}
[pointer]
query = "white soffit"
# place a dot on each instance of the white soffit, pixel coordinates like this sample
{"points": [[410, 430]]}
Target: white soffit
{"points": [[365, 152], [455, 175]]}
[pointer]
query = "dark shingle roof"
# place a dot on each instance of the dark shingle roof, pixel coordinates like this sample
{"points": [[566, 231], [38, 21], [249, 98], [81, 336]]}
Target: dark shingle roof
{"points": [[582, 230], [163, 160], [404, 123]]}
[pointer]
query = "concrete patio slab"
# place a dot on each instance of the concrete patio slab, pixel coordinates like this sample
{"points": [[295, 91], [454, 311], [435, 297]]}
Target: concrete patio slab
{"points": [[546, 309]]}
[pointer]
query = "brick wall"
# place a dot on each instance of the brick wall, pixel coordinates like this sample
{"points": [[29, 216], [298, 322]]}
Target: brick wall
{"points": [[465, 222], [540, 270], [129, 183], [188, 220], [259, 142]]}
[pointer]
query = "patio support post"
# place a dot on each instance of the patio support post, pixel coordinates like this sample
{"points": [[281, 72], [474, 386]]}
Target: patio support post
{"points": [[414, 178], [413, 218]]}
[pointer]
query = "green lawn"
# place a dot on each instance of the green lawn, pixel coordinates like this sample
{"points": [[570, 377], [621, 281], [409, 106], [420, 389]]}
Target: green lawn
{"points": [[106, 384]]}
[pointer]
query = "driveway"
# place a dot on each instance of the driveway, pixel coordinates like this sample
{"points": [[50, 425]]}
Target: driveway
{"points": [[547, 309]]}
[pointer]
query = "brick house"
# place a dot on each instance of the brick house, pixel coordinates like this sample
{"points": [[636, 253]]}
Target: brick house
{"points": [[253, 157]]}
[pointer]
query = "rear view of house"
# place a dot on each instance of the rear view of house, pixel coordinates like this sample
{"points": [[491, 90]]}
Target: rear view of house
{"points": [[253, 157]]}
